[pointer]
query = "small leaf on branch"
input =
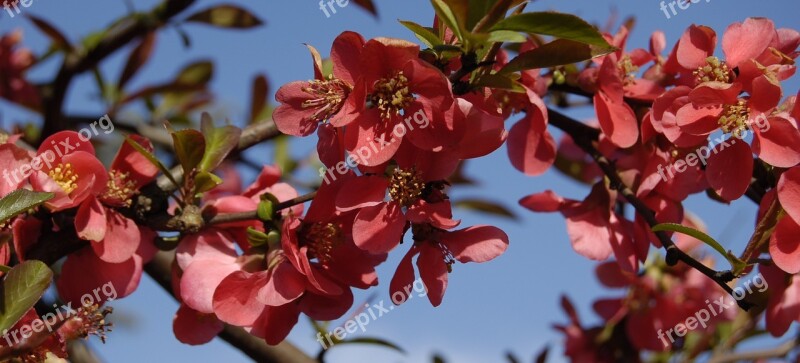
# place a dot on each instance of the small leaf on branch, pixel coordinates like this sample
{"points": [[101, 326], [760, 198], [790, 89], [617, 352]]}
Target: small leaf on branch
{"points": [[138, 57], [258, 101], [555, 24], [219, 142], [500, 81], [152, 159], [58, 38], [19, 201], [190, 146], [22, 287], [556, 53], [422, 33], [737, 265], [484, 206], [226, 16], [195, 74], [205, 181]]}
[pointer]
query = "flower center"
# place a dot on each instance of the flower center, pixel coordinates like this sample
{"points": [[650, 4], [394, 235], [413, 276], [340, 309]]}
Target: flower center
{"points": [[119, 189], [628, 69], [65, 177], [88, 320], [734, 118], [715, 70], [391, 95], [405, 186], [328, 97], [321, 239]]}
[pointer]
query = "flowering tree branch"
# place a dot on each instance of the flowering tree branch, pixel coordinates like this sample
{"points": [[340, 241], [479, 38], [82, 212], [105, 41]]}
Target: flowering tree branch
{"points": [[585, 136]]}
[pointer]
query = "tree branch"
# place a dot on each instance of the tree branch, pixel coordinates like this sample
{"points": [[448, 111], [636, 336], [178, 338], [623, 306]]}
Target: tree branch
{"points": [[755, 355], [80, 60], [244, 216]]}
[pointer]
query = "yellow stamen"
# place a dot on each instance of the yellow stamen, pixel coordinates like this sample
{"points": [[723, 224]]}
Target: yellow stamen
{"points": [[65, 177], [391, 95]]}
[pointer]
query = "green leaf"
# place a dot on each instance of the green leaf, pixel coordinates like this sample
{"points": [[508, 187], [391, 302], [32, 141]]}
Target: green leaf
{"points": [[56, 36], [486, 13], [190, 146], [22, 287], [500, 81], [219, 141], [195, 74], [152, 159], [484, 206], [556, 53], [226, 16], [506, 36], [256, 238], [737, 264], [559, 25], [19, 201], [266, 210], [447, 16], [138, 57], [423, 34], [205, 181], [258, 98]]}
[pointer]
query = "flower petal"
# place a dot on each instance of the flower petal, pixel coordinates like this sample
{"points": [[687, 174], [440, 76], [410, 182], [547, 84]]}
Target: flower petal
{"points": [[476, 244], [730, 168], [378, 229]]}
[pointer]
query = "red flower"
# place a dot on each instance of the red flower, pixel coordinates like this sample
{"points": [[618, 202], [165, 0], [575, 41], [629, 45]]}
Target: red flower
{"points": [[784, 247], [304, 104], [394, 89], [593, 228], [68, 169], [716, 105], [381, 221], [782, 307], [116, 237], [13, 65], [438, 249], [531, 148]]}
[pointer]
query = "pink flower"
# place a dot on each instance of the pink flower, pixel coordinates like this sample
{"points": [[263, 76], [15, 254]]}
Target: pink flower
{"points": [[68, 169], [438, 249], [115, 237], [304, 104], [13, 65], [593, 228], [385, 204], [394, 86], [716, 105]]}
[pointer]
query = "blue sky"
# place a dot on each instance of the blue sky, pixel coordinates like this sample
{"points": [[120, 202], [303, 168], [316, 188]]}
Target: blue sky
{"points": [[508, 304]]}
